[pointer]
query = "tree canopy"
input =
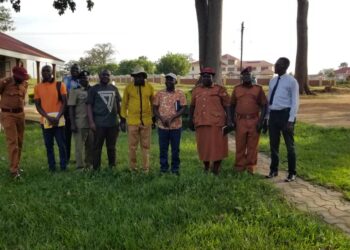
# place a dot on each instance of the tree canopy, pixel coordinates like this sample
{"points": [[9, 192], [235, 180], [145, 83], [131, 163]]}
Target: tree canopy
{"points": [[176, 63], [6, 22], [343, 65], [100, 56], [329, 73], [60, 5], [126, 66]]}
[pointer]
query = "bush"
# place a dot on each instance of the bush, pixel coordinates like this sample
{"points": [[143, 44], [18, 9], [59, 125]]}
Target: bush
{"points": [[31, 98], [341, 82]]}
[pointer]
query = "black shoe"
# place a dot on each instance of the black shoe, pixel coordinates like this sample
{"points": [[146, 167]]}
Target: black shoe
{"points": [[272, 174], [290, 177]]}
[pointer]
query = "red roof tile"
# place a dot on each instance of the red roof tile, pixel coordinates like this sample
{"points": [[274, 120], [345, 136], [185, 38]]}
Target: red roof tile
{"points": [[229, 57], [344, 70], [9, 43]]}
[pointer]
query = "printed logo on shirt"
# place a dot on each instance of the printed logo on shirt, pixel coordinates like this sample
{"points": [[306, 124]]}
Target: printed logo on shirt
{"points": [[108, 98]]}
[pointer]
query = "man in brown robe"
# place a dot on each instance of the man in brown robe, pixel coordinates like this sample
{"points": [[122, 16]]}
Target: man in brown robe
{"points": [[209, 113]]}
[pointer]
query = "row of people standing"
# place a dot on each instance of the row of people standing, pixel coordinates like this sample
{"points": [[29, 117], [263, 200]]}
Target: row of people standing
{"points": [[95, 113], [212, 114]]}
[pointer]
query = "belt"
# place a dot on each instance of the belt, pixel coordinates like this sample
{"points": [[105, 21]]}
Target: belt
{"points": [[247, 116], [280, 110], [15, 110]]}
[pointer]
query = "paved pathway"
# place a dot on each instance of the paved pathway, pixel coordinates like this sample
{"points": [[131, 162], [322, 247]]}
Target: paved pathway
{"points": [[308, 197]]}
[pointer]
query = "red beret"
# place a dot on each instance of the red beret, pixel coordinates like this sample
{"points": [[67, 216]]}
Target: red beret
{"points": [[207, 70], [20, 73]]}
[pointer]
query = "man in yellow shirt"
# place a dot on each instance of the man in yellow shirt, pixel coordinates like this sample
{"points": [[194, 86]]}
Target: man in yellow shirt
{"points": [[136, 111]]}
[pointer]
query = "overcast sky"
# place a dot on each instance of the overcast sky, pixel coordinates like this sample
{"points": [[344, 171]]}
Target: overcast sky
{"points": [[154, 27]]}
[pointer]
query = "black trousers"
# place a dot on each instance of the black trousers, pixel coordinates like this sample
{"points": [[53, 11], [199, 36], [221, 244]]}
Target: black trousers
{"points": [[109, 134], [277, 125]]}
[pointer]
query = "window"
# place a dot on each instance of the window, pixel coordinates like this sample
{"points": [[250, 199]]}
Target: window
{"points": [[192, 68], [231, 62], [264, 68], [231, 69]]}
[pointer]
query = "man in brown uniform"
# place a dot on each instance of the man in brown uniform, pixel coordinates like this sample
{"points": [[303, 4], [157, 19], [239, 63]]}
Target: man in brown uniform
{"points": [[247, 102], [13, 91], [209, 113]]}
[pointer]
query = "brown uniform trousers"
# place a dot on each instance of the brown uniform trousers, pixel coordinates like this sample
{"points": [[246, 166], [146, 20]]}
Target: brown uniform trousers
{"points": [[247, 102], [13, 124], [12, 119]]}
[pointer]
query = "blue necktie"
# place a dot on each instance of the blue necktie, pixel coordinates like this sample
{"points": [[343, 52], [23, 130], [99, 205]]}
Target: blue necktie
{"points": [[274, 91]]}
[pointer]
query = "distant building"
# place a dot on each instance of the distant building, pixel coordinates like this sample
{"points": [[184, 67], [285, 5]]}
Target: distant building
{"points": [[342, 74], [230, 67], [13, 52]]}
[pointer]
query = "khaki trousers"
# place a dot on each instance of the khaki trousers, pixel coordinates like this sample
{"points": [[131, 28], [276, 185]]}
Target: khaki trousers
{"points": [[142, 134], [13, 124], [247, 140], [83, 145]]}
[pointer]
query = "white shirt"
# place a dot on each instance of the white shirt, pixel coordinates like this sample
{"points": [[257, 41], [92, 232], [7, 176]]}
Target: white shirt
{"points": [[286, 95]]}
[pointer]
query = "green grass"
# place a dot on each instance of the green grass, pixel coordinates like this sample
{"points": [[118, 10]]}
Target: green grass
{"points": [[323, 155], [119, 210]]}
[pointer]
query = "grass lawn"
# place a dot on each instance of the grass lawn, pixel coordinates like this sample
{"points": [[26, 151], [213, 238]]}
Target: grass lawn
{"points": [[119, 210], [323, 155]]}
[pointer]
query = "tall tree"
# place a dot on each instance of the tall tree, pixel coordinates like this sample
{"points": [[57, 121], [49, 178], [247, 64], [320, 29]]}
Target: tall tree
{"points": [[101, 54], [178, 64], [209, 18], [301, 69], [6, 22]]}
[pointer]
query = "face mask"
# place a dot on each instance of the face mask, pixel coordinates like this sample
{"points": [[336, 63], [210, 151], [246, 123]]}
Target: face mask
{"points": [[139, 81], [247, 80], [207, 82], [170, 88]]}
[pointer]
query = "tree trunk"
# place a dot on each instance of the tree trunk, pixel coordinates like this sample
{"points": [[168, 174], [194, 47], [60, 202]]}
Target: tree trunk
{"points": [[301, 71], [202, 20], [209, 17]]}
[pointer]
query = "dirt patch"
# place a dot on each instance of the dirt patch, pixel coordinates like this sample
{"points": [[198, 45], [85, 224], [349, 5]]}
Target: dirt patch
{"points": [[328, 110]]}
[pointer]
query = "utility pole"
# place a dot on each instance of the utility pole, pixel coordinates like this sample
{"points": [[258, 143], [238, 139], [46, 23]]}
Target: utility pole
{"points": [[242, 29]]}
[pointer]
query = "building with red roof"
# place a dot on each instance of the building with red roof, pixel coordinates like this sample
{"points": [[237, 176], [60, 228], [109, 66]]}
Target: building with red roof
{"points": [[13, 52], [342, 74], [230, 67]]}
